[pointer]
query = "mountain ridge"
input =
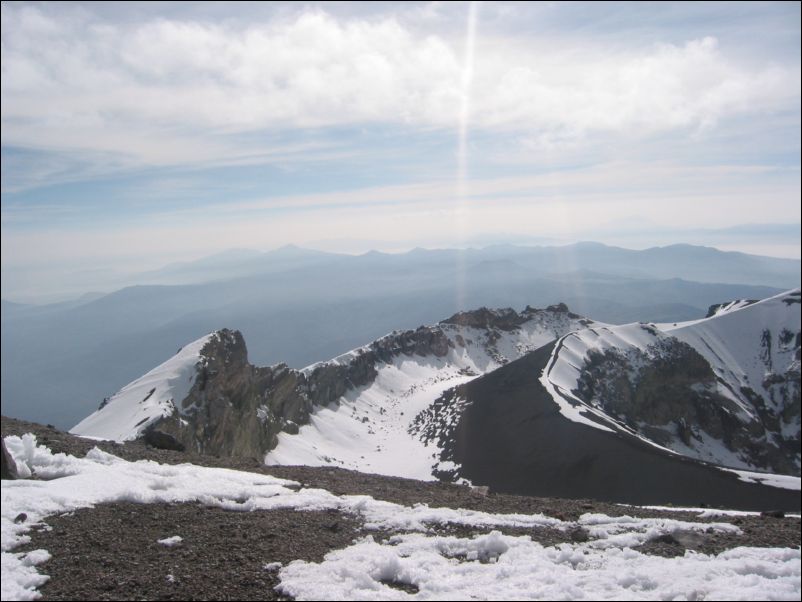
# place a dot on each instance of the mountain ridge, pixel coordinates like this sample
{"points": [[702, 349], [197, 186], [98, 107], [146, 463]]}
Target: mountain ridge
{"points": [[312, 311], [395, 406], [213, 400], [723, 389]]}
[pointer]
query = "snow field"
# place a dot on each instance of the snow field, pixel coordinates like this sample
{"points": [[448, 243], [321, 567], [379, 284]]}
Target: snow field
{"points": [[368, 429]]}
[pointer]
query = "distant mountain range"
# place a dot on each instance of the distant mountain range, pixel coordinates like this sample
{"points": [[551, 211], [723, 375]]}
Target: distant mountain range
{"points": [[301, 306], [542, 402], [689, 262]]}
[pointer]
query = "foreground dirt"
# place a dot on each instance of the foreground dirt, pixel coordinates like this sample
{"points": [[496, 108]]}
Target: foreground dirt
{"points": [[111, 552], [222, 555]]}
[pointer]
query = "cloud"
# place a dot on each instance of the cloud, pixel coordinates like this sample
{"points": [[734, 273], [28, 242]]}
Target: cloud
{"points": [[182, 91], [669, 86], [197, 127]]}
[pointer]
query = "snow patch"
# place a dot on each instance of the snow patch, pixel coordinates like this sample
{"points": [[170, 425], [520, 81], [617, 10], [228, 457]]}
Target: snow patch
{"points": [[170, 541], [780, 481], [451, 568]]}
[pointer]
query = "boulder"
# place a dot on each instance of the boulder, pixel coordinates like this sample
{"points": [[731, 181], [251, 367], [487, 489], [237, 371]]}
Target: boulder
{"points": [[161, 440], [9, 467]]}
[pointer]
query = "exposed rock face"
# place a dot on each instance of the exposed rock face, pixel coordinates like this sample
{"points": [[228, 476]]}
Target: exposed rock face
{"points": [[667, 382], [8, 470], [718, 308], [235, 408], [506, 318], [668, 391]]}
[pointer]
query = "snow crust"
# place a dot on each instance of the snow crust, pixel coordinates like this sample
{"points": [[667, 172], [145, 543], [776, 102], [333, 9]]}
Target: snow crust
{"points": [[709, 512], [772, 480], [490, 566], [501, 567], [140, 403], [171, 541]]}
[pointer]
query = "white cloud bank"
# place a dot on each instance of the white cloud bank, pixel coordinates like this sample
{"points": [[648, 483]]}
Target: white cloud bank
{"points": [[167, 91]]}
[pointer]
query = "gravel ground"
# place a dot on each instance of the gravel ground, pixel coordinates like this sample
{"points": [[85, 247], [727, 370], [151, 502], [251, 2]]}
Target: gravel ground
{"points": [[222, 555]]}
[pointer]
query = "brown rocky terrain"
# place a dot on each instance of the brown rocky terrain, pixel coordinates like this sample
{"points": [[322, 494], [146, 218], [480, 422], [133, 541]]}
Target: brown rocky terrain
{"points": [[224, 553]]}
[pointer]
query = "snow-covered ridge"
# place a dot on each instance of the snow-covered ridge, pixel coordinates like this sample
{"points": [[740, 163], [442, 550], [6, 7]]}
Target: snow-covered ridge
{"points": [[735, 377], [550, 323], [745, 389], [372, 427], [748, 344], [127, 413], [353, 411]]}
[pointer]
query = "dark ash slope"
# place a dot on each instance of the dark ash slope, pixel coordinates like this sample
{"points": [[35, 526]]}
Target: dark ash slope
{"points": [[512, 437]]}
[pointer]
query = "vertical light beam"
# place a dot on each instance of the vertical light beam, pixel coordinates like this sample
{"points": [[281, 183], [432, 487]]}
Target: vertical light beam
{"points": [[462, 149]]}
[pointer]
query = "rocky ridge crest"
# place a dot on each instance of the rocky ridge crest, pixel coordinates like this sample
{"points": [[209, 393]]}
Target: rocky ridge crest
{"points": [[237, 409]]}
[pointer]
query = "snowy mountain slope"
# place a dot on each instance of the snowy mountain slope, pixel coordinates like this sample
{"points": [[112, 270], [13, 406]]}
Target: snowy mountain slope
{"points": [[354, 411], [207, 397], [127, 413], [729, 344], [725, 389], [369, 427]]}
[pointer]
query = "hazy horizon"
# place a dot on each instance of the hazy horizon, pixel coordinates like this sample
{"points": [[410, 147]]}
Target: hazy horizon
{"points": [[101, 283]]}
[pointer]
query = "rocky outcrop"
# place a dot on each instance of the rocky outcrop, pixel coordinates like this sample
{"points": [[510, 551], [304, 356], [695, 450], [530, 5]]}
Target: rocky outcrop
{"points": [[668, 391], [233, 407], [718, 308], [8, 469], [506, 318], [503, 319], [328, 381], [157, 438], [237, 409]]}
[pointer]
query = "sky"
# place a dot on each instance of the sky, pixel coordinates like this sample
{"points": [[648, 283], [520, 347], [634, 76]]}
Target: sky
{"points": [[137, 134]]}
